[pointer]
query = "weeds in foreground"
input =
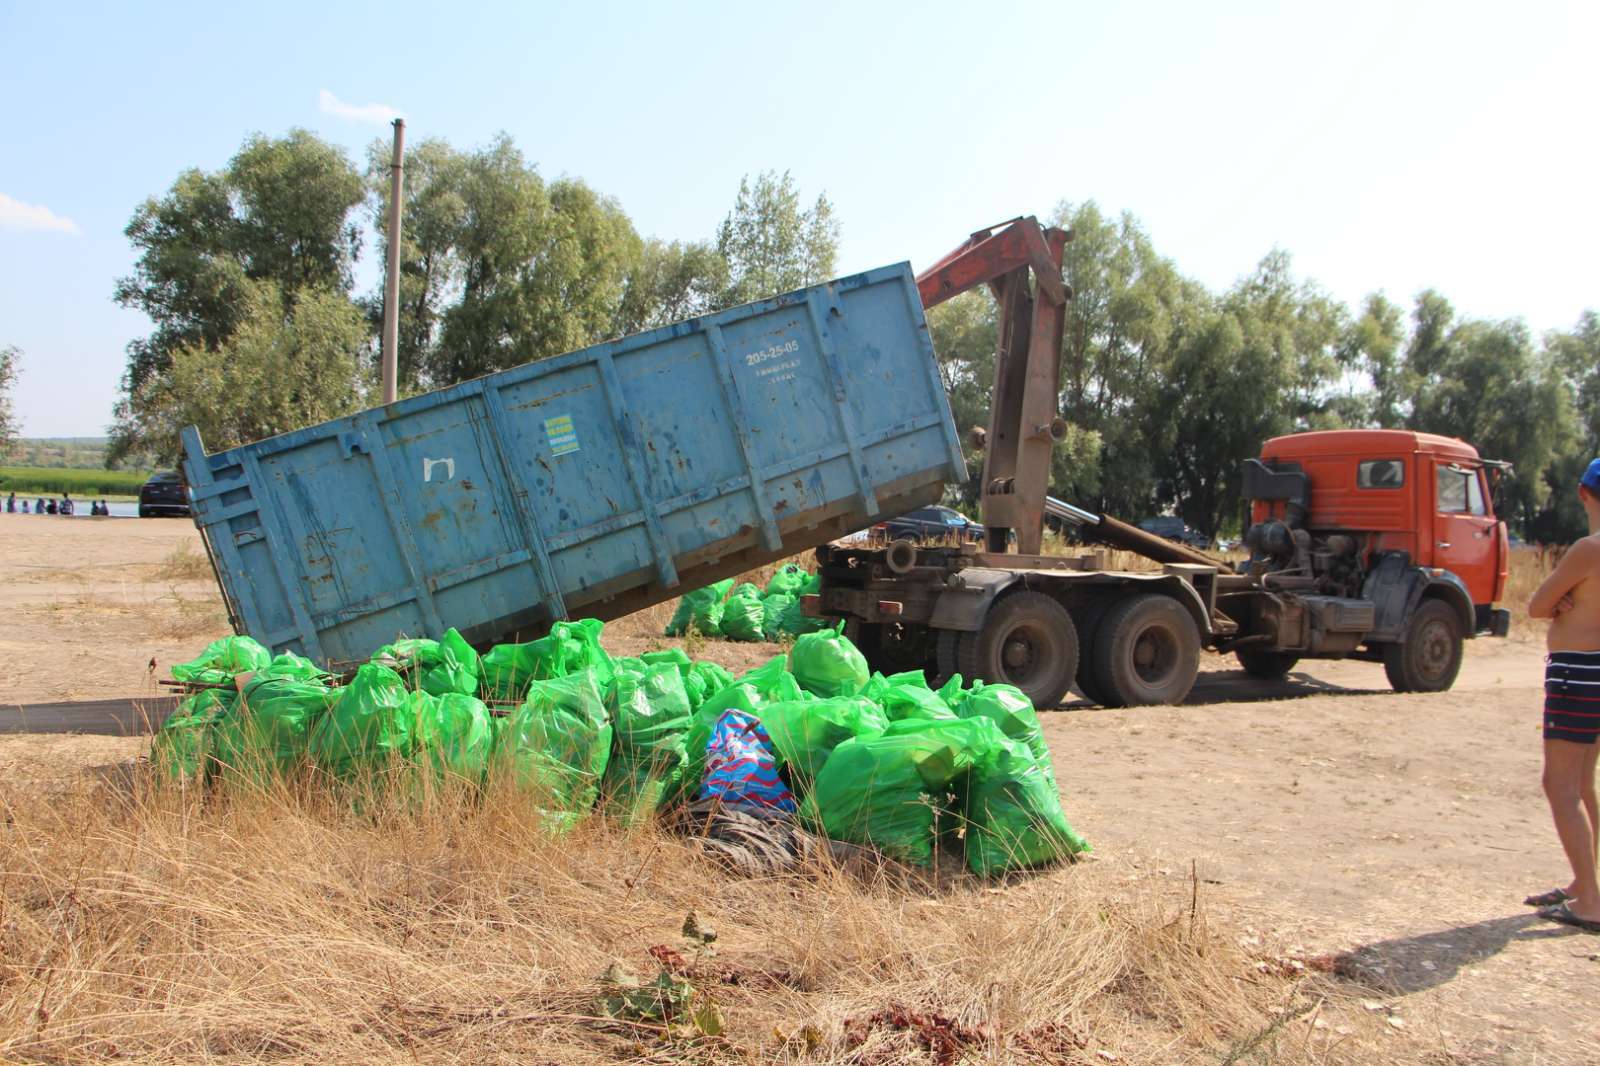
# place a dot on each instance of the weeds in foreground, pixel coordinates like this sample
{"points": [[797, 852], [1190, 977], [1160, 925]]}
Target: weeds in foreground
{"points": [[283, 922]]}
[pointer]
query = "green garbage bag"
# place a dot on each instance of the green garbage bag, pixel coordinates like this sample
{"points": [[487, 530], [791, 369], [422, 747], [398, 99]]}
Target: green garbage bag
{"points": [[706, 678], [647, 705], [441, 666], [886, 791], [569, 648], [1008, 708], [788, 581], [556, 746], [906, 695], [1013, 812], [744, 616], [371, 724], [794, 621], [455, 735], [291, 667], [676, 656], [827, 664], [702, 609], [650, 714], [269, 728], [774, 681], [222, 659], [181, 749], [805, 733], [772, 609]]}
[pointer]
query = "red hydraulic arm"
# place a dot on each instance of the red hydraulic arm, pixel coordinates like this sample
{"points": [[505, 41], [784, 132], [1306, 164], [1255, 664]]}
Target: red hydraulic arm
{"points": [[1023, 422]]}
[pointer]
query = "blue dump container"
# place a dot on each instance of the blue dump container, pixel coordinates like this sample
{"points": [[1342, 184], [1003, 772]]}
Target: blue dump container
{"points": [[593, 484]]}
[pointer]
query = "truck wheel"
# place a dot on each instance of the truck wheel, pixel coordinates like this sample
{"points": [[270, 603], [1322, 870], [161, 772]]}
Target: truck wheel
{"points": [[1147, 651], [1267, 665], [946, 654], [1028, 640], [1087, 619], [1430, 658], [890, 647]]}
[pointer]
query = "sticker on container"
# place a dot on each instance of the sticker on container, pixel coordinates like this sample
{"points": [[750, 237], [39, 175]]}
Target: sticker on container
{"points": [[562, 436]]}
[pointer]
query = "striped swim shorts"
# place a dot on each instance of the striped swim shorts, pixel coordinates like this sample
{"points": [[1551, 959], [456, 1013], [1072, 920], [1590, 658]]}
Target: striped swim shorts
{"points": [[1572, 696]]}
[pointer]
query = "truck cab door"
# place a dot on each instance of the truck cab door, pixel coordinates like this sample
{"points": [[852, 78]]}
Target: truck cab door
{"points": [[1466, 537]]}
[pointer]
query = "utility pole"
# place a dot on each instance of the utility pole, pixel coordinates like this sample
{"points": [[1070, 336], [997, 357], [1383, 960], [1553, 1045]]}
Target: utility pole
{"points": [[391, 288]]}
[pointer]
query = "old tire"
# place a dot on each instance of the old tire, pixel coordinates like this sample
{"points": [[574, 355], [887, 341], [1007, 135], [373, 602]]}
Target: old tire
{"points": [[1430, 657], [1266, 665], [1027, 640], [1147, 652]]}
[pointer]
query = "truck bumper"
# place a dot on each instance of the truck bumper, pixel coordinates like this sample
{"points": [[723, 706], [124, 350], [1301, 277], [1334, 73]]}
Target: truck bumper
{"points": [[1494, 621]]}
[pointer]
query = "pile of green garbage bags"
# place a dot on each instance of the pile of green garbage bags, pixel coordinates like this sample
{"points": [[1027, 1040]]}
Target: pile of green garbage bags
{"points": [[882, 761], [747, 611]]}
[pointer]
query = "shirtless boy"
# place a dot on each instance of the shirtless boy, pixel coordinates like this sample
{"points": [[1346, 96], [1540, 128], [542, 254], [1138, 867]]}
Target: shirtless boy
{"points": [[1570, 598]]}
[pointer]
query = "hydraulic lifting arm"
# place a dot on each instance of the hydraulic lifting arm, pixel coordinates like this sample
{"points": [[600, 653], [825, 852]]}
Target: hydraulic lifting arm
{"points": [[1023, 421]]}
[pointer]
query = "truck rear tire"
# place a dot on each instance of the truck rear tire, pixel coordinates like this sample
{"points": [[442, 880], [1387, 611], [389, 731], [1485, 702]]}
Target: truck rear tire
{"points": [[1087, 618], [1430, 658], [891, 647], [1146, 652], [1027, 640], [1266, 665]]}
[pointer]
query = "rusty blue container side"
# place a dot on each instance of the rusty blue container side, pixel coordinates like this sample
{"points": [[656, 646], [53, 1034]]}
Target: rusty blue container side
{"points": [[593, 483]]}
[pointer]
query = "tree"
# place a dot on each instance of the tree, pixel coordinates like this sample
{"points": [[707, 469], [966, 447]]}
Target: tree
{"points": [[498, 268], [1485, 383], [279, 213], [772, 245], [279, 370], [669, 283], [963, 334], [10, 366]]}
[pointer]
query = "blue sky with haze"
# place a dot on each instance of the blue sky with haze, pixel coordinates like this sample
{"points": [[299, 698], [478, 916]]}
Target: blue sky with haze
{"points": [[1386, 146]]}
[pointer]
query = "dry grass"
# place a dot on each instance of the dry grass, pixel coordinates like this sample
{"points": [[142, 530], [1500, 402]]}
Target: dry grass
{"points": [[152, 925], [183, 563]]}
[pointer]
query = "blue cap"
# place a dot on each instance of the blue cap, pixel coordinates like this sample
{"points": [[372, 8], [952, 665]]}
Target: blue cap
{"points": [[1591, 477]]}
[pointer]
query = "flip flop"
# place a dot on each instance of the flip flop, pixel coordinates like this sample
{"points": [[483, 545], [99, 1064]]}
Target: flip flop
{"points": [[1549, 899], [1562, 914]]}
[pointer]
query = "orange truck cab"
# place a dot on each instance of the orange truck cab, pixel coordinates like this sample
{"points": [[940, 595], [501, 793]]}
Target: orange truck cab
{"points": [[1372, 543]]}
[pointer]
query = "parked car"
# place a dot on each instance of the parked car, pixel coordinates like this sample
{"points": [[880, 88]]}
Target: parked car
{"points": [[1174, 528], [164, 494], [929, 523]]}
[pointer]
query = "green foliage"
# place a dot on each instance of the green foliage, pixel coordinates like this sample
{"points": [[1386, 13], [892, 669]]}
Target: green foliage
{"points": [[278, 214], [771, 244], [76, 453], [10, 364], [497, 267], [27, 480], [281, 369]]}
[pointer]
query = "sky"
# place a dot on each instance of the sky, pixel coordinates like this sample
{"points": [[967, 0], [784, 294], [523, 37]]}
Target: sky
{"points": [[1385, 146]]}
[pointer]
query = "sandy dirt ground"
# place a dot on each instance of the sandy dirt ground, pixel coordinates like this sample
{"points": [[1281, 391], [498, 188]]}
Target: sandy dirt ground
{"points": [[1325, 812]]}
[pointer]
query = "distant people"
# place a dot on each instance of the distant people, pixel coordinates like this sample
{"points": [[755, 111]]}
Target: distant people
{"points": [[38, 506], [104, 509], [24, 506], [52, 506], [11, 504], [66, 503]]}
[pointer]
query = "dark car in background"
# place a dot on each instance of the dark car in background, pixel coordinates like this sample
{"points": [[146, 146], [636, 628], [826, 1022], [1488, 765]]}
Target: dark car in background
{"points": [[929, 523], [164, 494], [1174, 528]]}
